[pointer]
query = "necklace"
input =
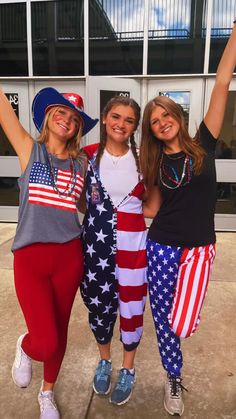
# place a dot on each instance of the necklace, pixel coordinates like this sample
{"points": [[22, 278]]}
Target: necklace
{"points": [[58, 154], [70, 186], [115, 158], [169, 156], [170, 173], [117, 155]]}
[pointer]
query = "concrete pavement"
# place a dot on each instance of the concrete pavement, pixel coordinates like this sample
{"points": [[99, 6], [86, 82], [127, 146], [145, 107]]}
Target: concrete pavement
{"points": [[209, 356]]}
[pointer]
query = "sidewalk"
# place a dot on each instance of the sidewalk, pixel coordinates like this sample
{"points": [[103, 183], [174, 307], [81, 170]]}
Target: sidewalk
{"points": [[210, 356]]}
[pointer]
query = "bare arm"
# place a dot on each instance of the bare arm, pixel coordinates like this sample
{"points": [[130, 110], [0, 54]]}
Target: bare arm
{"points": [[19, 138], [152, 202], [215, 114]]}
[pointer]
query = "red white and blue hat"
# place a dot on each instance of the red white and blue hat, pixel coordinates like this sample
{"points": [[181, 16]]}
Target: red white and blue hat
{"points": [[48, 97]]}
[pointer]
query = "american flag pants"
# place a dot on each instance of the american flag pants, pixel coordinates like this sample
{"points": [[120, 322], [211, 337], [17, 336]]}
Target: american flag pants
{"points": [[178, 279]]}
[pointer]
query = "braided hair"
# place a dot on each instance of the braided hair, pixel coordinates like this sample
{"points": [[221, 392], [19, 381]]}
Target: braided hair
{"points": [[125, 101]]}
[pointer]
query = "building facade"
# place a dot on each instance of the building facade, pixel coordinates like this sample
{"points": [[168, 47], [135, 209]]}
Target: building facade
{"points": [[99, 48]]}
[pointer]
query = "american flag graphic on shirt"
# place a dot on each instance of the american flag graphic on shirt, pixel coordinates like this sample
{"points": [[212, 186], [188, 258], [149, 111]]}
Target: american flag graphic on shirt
{"points": [[41, 191]]}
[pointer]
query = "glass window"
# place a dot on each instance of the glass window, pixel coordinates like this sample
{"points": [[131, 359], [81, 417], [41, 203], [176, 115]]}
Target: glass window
{"points": [[13, 51], [226, 198], [175, 41], [222, 21], [226, 144], [6, 148], [116, 37], [9, 191], [58, 38]]}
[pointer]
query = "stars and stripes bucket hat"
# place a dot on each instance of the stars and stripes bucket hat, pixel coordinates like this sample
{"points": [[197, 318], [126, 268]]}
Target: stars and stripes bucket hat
{"points": [[48, 97]]}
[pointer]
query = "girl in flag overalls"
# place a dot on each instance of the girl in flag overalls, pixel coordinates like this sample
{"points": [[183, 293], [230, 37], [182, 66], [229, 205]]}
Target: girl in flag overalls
{"points": [[115, 245]]}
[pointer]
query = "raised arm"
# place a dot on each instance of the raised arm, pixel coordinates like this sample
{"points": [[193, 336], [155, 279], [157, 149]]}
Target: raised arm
{"points": [[215, 114], [19, 138], [152, 202]]}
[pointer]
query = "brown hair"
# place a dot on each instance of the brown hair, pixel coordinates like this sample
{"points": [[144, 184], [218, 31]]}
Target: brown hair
{"points": [[73, 144], [125, 101], [151, 147]]}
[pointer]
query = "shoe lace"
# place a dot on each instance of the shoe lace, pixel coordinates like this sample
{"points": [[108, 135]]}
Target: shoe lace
{"points": [[103, 371], [22, 358], [176, 386], [124, 381], [47, 401]]}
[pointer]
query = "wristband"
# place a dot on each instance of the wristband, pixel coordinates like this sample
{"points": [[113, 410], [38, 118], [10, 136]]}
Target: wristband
{"points": [[234, 21]]}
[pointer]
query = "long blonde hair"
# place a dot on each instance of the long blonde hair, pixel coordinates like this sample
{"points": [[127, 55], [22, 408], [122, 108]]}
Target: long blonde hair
{"points": [[151, 147], [73, 144]]}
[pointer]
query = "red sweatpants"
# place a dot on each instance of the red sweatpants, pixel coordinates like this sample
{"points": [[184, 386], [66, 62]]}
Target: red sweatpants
{"points": [[47, 276]]}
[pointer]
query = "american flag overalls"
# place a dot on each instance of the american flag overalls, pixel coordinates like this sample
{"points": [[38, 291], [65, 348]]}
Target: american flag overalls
{"points": [[114, 242]]}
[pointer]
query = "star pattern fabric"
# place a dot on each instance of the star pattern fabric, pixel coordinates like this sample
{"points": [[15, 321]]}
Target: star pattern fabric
{"points": [[163, 263], [99, 287]]}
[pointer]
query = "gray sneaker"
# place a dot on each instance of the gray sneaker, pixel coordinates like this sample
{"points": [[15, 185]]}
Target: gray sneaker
{"points": [[173, 401], [123, 387], [102, 377], [47, 404], [22, 366]]}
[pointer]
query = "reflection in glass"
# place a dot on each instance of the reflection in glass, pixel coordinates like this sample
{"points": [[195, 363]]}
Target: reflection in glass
{"points": [[226, 144], [13, 51], [222, 19], [6, 148], [226, 198], [176, 40], [116, 37], [58, 38], [9, 191]]}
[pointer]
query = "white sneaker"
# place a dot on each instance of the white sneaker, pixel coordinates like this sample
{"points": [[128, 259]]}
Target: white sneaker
{"points": [[22, 366], [173, 401], [47, 404]]}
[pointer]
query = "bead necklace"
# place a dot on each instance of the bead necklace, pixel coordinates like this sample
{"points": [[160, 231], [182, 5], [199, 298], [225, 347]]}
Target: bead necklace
{"points": [[178, 181], [70, 185], [69, 188]]}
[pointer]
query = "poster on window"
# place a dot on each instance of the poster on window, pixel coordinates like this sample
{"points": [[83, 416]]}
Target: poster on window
{"points": [[14, 101], [6, 148]]}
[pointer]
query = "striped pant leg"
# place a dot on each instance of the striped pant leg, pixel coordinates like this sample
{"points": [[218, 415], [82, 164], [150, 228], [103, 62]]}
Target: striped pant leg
{"points": [[131, 274], [163, 262], [193, 277], [132, 300]]}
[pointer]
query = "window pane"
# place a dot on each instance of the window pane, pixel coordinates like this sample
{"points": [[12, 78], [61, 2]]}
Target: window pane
{"points": [[6, 148], [222, 21], [176, 40], [58, 32], [226, 144], [9, 191], [116, 37], [13, 51], [226, 198]]}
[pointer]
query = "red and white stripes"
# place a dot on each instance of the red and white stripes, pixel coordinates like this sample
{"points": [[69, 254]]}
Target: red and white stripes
{"points": [[131, 265], [193, 276]]}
